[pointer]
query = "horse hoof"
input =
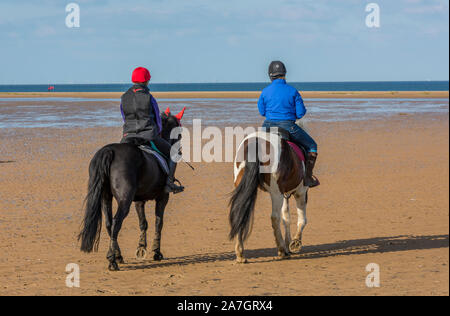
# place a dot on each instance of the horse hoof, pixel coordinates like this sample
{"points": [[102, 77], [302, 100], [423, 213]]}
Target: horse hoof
{"points": [[141, 253], [158, 256], [120, 260], [283, 255], [241, 261], [295, 246], [113, 266]]}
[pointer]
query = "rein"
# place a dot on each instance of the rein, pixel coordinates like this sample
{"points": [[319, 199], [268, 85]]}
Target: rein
{"points": [[193, 169]]}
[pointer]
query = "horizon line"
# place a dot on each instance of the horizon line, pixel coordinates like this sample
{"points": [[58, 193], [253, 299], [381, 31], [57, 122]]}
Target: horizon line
{"points": [[224, 82]]}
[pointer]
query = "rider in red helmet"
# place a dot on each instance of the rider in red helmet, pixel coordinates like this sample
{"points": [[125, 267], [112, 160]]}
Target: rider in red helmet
{"points": [[142, 119]]}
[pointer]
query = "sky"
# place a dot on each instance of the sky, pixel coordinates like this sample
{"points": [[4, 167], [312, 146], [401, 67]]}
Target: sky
{"points": [[223, 40]]}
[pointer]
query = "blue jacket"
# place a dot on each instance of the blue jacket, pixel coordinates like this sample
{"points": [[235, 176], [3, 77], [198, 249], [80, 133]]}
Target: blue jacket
{"points": [[281, 102]]}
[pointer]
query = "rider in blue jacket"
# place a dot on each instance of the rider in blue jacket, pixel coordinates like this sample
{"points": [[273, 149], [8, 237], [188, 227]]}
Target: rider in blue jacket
{"points": [[281, 105]]}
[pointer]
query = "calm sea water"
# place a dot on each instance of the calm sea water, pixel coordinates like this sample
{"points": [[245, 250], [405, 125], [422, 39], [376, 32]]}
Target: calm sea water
{"points": [[69, 113], [302, 86]]}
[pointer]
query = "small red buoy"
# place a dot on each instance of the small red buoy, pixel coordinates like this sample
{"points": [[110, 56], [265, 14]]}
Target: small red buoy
{"points": [[51, 88]]}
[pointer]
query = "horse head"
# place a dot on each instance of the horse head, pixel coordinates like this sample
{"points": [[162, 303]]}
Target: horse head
{"points": [[169, 122]]}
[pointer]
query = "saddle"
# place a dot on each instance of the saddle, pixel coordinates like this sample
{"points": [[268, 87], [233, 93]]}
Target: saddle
{"points": [[299, 150], [159, 157], [148, 149]]}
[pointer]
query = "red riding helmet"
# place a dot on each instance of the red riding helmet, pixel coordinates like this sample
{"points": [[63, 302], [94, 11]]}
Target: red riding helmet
{"points": [[140, 75]]}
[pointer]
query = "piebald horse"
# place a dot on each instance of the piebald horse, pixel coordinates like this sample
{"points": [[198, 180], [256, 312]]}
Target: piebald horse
{"points": [[282, 178]]}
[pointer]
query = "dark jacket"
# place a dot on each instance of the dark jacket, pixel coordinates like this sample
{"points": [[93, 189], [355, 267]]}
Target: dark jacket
{"points": [[140, 119]]}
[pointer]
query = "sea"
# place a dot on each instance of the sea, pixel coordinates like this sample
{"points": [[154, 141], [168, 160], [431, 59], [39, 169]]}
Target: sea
{"points": [[61, 112], [239, 86]]}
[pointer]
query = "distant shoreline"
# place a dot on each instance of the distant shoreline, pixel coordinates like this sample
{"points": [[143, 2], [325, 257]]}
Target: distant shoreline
{"points": [[239, 95]]}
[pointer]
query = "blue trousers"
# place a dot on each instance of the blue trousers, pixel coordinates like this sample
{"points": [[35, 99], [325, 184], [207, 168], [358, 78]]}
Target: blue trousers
{"points": [[298, 135]]}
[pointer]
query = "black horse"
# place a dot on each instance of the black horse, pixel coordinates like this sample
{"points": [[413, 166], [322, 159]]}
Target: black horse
{"points": [[124, 172]]}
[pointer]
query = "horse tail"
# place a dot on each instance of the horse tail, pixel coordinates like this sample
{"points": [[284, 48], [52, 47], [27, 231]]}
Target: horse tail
{"points": [[99, 170], [243, 200]]}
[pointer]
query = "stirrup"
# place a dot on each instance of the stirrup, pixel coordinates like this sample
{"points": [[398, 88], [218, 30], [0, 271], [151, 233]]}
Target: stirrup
{"points": [[174, 188], [314, 182], [180, 187]]}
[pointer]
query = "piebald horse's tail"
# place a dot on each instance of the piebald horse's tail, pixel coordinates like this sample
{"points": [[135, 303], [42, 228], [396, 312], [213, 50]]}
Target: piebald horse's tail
{"points": [[243, 200], [99, 170]]}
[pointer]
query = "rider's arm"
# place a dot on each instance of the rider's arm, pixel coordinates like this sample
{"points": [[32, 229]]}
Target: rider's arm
{"points": [[155, 108], [300, 109], [262, 105], [121, 111]]}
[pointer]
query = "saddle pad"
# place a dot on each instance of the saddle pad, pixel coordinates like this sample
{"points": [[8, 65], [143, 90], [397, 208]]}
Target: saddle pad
{"points": [[297, 150], [162, 162]]}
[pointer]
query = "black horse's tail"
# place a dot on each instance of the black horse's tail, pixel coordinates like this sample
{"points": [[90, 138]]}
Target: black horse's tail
{"points": [[99, 169], [243, 200]]}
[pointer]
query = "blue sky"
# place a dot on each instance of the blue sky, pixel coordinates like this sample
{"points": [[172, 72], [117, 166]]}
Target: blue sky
{"points": [[222, 40]]}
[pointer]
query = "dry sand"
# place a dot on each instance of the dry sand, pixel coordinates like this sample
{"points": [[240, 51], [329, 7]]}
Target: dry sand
{"points": [[384, 199], [238, 94]]}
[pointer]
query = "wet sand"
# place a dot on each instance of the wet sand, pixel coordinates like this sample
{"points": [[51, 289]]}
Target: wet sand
{"points": [[75, 113], [238, 94], [384, 199]]}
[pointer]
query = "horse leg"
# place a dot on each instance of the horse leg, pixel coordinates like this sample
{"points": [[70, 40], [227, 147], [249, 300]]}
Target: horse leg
{"points": [[277, 204], [287, 222], [141, 251], [159, 220], [107, 211], [301, 200], [239, 248], [114, 255]]}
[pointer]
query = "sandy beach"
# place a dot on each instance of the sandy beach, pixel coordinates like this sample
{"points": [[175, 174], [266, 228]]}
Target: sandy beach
{"points": [[238, 95], [367, 80], [384, 199]]}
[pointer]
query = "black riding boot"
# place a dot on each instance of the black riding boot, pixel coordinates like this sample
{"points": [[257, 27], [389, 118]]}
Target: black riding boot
{"points": [[310, 180], [170, 185]]}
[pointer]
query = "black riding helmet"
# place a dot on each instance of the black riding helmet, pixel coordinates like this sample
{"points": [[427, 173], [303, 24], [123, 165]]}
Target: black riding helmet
{"points": [[277, 69]]}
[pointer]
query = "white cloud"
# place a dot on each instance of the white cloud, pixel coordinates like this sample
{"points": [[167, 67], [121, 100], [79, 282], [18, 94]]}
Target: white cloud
{"points": [[45, 31]]}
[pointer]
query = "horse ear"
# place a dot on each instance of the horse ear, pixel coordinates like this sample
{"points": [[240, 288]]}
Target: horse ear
{"points": [[179, 116], [167, 111]]}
